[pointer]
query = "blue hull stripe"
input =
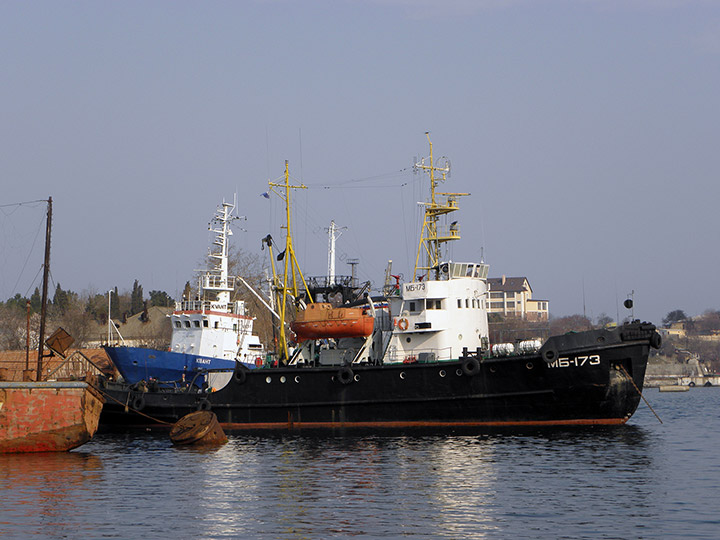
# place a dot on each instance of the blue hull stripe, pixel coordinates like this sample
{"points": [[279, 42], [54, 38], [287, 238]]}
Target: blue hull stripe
{"points": [[136, 364]]}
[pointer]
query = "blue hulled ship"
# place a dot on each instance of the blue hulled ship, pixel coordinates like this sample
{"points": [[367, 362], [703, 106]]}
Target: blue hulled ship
{"points": [[210, 332]]}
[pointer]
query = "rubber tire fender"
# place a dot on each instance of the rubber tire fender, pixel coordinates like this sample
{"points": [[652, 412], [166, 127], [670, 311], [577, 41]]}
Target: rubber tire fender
{"points": [[203, 405], [655, 340], [550, 355], [239, 375], [345, 375], [138, 403], [471, 366]]}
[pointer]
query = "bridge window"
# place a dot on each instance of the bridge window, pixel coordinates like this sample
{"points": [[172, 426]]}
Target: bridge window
{"points": [[187, 324], [460, 303], [205, 323], [177, 324], [196, 324]]}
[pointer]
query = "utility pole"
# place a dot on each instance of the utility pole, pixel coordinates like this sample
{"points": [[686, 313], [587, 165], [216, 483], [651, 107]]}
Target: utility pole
{"points": [[46, 275]]}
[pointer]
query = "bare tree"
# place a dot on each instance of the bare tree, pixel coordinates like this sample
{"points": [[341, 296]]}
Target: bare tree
{"points": [[570, 323]]}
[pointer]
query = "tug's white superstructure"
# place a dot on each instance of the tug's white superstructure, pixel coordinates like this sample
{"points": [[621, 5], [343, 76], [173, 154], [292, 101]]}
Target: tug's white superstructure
{"points": [[437, 319]]}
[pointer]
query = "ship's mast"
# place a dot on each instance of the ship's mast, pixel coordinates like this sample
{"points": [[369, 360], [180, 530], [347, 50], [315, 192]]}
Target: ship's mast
{"points": [[333, 234], [292, 276], [218, 280], [433, 237]]}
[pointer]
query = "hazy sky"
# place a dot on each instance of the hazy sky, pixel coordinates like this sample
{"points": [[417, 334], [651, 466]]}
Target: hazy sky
{"points": [[586, 131]]}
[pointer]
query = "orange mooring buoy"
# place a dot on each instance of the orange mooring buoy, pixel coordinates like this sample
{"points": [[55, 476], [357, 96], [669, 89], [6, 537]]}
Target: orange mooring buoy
{"points": [[199, 427]]}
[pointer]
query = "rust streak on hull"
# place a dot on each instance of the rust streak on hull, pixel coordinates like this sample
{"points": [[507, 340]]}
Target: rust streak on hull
{"points": [[47, 416]]}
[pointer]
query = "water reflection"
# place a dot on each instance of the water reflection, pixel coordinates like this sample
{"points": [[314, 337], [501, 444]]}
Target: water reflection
{"points": [[423, 484], [435, 484], [44, 488]]}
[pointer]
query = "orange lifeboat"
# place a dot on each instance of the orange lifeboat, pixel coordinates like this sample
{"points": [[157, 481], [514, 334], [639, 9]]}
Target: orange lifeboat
{"points": [[321, 320]]}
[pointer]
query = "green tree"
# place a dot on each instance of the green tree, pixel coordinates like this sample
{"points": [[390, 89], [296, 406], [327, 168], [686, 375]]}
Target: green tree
{"points": [[136, 298], [60, 300], [17, 302], [160, 298], [96, 306], [674, 316], [115, 304], [36, 301], [187, 291]]}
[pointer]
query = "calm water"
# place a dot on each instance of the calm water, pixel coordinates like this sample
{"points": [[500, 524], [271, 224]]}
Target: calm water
{"points": [[643, 480]]}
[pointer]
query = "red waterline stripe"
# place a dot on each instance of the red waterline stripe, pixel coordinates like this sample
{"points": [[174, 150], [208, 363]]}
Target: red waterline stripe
{"points": [[220, 313]]}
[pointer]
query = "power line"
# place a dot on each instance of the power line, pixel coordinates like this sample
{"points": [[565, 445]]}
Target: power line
{"points": [[22, 203]]}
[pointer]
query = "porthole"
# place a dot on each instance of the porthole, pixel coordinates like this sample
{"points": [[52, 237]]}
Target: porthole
{"points": [[492, 370], [458, 372], [407, 339], [357, 378], [268, 380], [529, 365], [459, 337], [283, 379], [442, 373], [297, 378], [402, 374]]}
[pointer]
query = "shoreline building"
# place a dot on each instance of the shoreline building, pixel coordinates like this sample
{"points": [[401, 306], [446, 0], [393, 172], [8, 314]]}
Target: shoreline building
{"points": [[512, 297]]}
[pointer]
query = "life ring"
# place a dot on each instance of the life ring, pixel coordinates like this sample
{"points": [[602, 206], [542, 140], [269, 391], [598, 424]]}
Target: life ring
{"points": [[258, 362], [138, 403], [403, 324], [471, 366], [203, 405], [345, 375]]}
